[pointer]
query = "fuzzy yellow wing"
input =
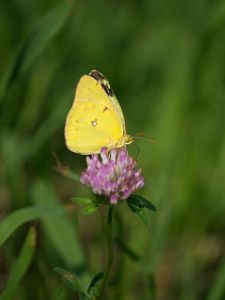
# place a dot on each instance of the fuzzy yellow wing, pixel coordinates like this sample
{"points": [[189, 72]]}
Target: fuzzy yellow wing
{"points": [[93, 121]]}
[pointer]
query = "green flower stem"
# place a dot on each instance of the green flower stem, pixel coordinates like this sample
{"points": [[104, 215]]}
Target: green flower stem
{"points": [[110, 253]]}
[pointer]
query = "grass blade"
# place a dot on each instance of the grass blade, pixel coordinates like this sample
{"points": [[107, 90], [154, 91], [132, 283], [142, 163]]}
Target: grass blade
{"points": [[217, 291], [21, 266], [23, 215], [35, 43]]}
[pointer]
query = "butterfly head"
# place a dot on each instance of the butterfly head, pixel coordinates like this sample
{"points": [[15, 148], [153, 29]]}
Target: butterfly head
{"points": [[127, 139]]}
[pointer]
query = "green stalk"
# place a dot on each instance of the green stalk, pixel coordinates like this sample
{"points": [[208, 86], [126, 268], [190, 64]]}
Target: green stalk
{"points": [[110, 253]]}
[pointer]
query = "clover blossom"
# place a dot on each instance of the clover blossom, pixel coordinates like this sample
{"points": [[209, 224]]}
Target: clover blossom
{"points": [[113, 174]]}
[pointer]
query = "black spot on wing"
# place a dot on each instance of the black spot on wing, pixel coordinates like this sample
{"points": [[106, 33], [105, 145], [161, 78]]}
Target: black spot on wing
{"points": [[105, 109]]}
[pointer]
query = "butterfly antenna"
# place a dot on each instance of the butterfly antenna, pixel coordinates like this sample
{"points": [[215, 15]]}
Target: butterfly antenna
{"points": [[144, 139], [138, 134]]}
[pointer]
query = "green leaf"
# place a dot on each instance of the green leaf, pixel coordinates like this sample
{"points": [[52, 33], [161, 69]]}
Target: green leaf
{"points": [[89, 210], [21, 265], [137, 204], [139, 212], [95, 281], [23, 215], [70, 279], [35, 43], [81, 200], [141, 202]]}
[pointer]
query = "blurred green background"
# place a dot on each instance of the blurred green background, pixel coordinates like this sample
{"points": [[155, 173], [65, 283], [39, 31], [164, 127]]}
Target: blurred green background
{"points": [[166, 63]]}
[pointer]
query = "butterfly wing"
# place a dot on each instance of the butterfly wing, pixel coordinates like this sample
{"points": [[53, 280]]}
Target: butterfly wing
{"points": [[93, 121], [108, 90]]}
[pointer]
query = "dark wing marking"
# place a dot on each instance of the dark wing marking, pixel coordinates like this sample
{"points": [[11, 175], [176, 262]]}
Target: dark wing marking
{"points": [[103, 81], [97, 75], [107, 89]]}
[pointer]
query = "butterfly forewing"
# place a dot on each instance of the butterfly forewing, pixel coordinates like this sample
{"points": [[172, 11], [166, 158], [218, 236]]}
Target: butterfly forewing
{"points": [[109, 91], [93, 121]]}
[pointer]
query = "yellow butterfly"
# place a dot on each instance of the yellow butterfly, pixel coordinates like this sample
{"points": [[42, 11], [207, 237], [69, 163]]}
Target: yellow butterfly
{"points": [[95, 119]]}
